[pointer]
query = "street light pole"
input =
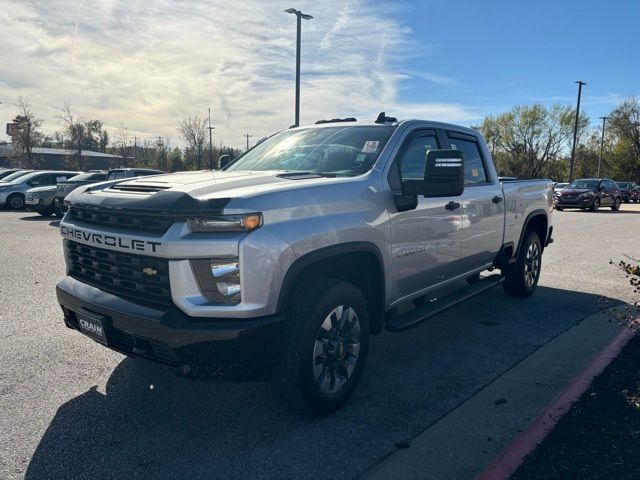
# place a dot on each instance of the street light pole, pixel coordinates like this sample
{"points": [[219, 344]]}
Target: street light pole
{"points": [[299, 16], [247, 135], [604, 120], [210, 142], [575, 130]]}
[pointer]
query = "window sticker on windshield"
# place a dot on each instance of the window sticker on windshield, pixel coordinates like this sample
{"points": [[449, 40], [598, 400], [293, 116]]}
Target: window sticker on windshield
{"points": [[370, 146], [474, 172]]}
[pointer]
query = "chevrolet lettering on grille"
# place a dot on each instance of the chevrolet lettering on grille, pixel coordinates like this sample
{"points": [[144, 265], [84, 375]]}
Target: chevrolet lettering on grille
{"points": [[109, 240]]}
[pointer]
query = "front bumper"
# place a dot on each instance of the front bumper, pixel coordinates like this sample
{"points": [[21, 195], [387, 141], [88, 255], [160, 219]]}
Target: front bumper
{"points": [[194, 347], [584, 202]]}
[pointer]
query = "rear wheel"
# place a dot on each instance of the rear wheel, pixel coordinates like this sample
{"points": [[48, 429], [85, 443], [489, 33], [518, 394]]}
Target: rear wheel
{"points": [[325, 347], [559, 209], [521, 277], [16, 201], [616, 204], [595, 205]]}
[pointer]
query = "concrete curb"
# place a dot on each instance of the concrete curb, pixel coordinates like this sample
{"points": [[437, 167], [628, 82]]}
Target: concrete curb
{"points": [[514, 454]]}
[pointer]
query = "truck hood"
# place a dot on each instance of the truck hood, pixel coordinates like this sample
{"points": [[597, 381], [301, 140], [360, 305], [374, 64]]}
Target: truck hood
{"points": [[186, 192]]}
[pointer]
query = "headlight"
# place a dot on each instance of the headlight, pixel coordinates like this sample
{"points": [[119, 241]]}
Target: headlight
{"points": [[218, 278], [225, 223]]}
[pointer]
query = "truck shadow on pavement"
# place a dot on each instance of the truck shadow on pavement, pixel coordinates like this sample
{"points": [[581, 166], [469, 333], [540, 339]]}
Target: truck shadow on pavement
{"points": [[150, 424]]}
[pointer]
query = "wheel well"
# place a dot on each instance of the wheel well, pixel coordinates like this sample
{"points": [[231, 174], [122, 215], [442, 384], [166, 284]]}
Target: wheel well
{"points": [[539, 225], [361, 268]]}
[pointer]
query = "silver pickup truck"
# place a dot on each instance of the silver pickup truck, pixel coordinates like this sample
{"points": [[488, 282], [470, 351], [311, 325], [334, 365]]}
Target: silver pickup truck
{"points": [[282, 264]]}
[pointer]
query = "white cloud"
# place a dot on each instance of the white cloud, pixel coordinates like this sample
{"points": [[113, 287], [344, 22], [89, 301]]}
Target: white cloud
{"points": [[149, 63]]}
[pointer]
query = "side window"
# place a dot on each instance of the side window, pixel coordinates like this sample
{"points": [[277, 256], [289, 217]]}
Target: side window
{"points": [[474, 171], [413, 158], [46, 180]]}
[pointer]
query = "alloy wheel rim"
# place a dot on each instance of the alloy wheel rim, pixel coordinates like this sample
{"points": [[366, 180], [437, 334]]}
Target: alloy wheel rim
{"points": [[336, 349], [532, 264], [596, 204], [16, 202]]}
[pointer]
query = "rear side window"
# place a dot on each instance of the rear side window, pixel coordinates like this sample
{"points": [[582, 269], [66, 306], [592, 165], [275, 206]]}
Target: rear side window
{"points": [[474, 171], [115, 175]]}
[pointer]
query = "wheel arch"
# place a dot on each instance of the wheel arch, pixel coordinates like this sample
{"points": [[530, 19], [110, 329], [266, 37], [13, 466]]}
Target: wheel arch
{"points": [[538, 222], [359, 263]]}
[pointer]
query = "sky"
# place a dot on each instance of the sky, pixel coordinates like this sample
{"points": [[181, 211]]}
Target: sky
{"points": [[148, 63]]}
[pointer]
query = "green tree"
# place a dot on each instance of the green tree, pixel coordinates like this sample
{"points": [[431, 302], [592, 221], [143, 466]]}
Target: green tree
{"points": [[624, 125], [529, 140]]}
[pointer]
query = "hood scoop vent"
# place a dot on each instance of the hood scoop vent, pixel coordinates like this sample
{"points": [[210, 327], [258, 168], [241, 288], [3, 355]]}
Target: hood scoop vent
{"points": [[138, 188]]}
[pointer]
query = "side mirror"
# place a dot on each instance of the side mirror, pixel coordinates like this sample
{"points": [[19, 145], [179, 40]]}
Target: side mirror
{"points": [[224, 161], [443, 175]]}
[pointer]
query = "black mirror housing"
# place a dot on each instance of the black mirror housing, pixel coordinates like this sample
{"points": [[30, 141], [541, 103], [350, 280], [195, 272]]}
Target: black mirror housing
{"points": [[224, 161], [443, 175]]}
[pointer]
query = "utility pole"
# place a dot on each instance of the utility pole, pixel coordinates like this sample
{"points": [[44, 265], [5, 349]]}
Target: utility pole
{"points": [[210, 142], [135, 151], [299, 16], [604, 120], [163, 167], [247, 135], [575, 131]]}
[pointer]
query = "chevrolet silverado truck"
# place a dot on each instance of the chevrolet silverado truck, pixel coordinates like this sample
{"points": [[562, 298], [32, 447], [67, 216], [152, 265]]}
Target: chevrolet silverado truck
{"points": [[283, 264]]}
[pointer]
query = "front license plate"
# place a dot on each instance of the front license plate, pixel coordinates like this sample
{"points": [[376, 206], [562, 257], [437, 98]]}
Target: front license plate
{"points": [[92, 326]]}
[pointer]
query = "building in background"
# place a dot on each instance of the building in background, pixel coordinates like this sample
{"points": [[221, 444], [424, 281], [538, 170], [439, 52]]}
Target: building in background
{"points": [[56, 158]]}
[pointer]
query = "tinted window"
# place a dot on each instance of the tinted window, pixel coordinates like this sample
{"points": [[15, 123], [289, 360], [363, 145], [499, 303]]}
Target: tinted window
{"points": [[116, 174], [474, 171], [414, 156], [85, 177]]}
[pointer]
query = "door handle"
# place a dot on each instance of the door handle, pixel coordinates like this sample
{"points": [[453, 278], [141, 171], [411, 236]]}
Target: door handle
{"points": [[497, 199], [452, 205]]}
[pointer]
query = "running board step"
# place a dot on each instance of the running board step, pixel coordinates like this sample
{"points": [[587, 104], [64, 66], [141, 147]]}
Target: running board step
{"points": [[434, 307]]}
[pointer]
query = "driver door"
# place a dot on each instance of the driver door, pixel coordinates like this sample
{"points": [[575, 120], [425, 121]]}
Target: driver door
{"points": [[426, 241]]}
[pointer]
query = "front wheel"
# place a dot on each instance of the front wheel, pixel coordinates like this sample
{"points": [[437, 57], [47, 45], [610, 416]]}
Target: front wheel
{"points": [[325, 347], [616, 204], [595, 205], [521, 277], [559, 209], [16, 201]]}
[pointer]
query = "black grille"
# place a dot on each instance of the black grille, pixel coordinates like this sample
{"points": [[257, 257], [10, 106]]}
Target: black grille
{"points": [[120, 220], [122, 274], [136, 188]]}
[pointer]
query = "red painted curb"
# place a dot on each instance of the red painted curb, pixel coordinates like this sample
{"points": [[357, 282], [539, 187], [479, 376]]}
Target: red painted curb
{"points": [[513, 455]]}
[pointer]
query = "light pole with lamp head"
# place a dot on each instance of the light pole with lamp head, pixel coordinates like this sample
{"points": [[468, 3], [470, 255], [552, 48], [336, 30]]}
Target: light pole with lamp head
{"points": [[604, 120], [299, 16]]}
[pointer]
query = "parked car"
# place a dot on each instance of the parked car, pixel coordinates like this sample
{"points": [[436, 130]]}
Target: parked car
{"points": [[41, 200], [591, 193], [12, 194], [625, 190], [118, 173], [634, 194], [65, 187], [559, 186], [8, 171], [11, 177], [286, 260]]}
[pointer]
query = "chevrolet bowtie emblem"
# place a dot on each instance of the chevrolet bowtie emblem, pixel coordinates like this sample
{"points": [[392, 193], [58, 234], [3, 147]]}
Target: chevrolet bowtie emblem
{"points": [[149, 271]]}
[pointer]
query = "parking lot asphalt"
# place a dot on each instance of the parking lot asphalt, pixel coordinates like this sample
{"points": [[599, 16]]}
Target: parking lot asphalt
{"points": [[73, 409]]}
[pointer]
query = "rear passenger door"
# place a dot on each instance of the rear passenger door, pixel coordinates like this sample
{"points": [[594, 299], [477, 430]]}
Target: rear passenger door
{"points": [[482, 202]]}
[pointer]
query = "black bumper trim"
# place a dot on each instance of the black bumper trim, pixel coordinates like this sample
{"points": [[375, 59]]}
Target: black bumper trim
{"points": [[238, 348]]}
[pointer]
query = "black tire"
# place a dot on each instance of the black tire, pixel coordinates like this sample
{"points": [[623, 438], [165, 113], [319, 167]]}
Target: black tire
{"points": [[616, 204], [559, 209], [521, 277], [15, 201], [307, 341], [595, 205]]}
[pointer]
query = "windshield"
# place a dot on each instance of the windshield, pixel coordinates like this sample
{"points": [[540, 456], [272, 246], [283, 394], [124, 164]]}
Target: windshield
{"points": [[333, 151], [623, 185], [580, 184], [88, 176], [15, 175]]}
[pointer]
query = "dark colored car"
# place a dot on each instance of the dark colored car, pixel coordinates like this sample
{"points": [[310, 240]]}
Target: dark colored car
{"points": [[66, 187], [591, 193], [625, 190], [634, 194]]}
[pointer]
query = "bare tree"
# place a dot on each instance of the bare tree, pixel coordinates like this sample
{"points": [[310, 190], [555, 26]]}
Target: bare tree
{"points": [[193, 131], [122, 139], [25, 132]]}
